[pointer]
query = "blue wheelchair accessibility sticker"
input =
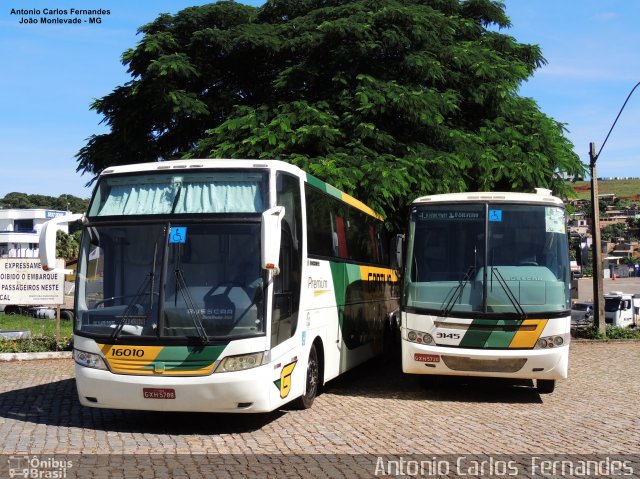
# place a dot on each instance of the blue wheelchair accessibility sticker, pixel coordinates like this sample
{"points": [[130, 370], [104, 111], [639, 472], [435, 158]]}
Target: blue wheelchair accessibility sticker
{"points": [[178, 234], [495, 215]]}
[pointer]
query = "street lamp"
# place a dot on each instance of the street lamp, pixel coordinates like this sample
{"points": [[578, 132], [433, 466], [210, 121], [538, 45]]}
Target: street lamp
{"points": [[598, 299]]}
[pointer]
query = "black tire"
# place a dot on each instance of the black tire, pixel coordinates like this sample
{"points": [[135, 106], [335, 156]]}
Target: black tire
{"points": [[312, 383], [66, 315], [545, 386]]}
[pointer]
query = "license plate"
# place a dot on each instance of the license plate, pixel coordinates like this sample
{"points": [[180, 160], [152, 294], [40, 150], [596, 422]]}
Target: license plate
{"points": [[158, 393], [426, 358]]}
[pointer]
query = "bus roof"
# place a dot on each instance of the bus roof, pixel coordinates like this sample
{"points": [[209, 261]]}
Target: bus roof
{"points": [[193, 165], [542, 196]]}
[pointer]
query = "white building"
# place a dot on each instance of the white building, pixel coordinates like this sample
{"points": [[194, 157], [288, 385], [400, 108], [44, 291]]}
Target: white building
{"points": [[20, 231]]}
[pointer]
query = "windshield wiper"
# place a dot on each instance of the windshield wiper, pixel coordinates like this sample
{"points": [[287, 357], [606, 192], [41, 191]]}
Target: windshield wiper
{"points": [[512, 297], [458, 292], [142, 289], [194, 314]]}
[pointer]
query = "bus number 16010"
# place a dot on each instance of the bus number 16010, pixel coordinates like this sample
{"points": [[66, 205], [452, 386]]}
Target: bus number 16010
{"points": [[124, 352]]}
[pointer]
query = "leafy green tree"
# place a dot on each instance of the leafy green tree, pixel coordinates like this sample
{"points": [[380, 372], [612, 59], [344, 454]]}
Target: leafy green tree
{"points": [[633, 227], [385, 99], [16, 200], [616, 230], [62, 202], [67, 245]]}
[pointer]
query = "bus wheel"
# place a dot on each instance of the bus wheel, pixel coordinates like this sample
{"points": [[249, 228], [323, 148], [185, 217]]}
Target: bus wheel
{"points": [[313, 380], [545, 386]]}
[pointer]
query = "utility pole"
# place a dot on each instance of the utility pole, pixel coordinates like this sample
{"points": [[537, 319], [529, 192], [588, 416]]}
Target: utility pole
{"points": [[598, 297]]}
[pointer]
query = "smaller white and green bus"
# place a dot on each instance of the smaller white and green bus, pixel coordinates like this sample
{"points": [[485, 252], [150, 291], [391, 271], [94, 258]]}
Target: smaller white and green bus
{"points": [[223, 286], [486, 287]]}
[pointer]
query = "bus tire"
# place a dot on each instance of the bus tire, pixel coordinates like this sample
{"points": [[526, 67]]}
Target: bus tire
{"points": [[545, 386], [312, 382]]}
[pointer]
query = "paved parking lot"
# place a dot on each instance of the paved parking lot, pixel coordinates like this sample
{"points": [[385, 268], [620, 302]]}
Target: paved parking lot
{"points": [[626, 285], [372, 411]]}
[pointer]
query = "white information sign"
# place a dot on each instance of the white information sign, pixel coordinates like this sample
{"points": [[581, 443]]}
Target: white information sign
{"points": [[23, 281]]}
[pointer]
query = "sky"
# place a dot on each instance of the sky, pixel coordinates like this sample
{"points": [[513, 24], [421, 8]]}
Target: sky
{"points": [[52, 72]]}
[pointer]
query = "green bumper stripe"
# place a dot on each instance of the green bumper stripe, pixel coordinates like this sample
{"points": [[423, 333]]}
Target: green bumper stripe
{"points": [[490, 333], [188, 357], [504, 335]]}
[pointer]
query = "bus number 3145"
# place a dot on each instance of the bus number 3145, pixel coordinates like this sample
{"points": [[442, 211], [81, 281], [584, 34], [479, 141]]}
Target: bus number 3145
{"points": [[448, 335]]}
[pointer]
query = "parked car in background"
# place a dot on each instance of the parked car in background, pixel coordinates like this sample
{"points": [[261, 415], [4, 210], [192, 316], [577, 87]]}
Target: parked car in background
{"points": [[621, 309], [581, 315]]}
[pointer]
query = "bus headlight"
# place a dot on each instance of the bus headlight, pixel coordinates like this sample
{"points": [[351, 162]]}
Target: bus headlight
{"points": [[89, 360], [419, 337], [549, 342], [239, 363]]}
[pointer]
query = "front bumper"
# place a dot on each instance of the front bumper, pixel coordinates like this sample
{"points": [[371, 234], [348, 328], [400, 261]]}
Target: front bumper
{"points": [[520, 363], [241, 391]]}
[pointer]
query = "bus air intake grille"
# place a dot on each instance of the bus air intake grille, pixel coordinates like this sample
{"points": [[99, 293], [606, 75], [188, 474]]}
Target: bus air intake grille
{"points": [[501, 365]]}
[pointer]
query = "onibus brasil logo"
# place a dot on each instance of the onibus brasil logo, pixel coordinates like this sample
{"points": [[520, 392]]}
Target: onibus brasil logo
{"points": [[38, 467]]}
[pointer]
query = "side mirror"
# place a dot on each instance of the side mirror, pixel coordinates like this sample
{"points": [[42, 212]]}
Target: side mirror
{"points": [[47, 248], [270, 236], [395, 251]]}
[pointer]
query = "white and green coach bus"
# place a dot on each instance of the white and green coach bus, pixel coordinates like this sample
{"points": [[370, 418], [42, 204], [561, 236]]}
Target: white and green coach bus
{"points": [[223, 286], [486, 287]]}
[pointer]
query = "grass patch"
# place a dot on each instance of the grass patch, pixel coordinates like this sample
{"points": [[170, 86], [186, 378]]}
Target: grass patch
{"points": [[43, 334], [613, 332], [621, 188]]}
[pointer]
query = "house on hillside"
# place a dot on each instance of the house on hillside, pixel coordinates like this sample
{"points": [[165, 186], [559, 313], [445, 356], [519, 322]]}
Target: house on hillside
{"points": [[624, 249], [20, 231]]}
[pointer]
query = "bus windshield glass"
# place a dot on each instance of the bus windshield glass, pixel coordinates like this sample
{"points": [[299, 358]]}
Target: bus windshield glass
{"points": [[160, 193], [483, 259], [192, 280]]}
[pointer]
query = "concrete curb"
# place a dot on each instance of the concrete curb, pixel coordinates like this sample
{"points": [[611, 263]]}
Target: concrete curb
{"points": [[32, 356], [604, 341]]}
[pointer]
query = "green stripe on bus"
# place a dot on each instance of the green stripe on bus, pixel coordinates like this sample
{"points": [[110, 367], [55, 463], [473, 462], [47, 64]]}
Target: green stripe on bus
{"points": [[339, 286], [502, 337], [326, 187], [478, 333], [352, 273], [188, 357], [490, 333]]}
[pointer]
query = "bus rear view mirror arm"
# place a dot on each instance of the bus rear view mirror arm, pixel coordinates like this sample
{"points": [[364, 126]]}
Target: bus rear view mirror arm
{"points": [[47, 247], [270, 236]]}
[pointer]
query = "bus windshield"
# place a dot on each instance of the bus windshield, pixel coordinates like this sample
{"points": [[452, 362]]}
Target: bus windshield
{"points": [[487, 260], [192, 280], [180, 192]]}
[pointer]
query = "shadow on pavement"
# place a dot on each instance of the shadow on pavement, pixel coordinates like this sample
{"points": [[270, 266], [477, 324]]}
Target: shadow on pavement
{"points": [[380, 378], [56, 404]]}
